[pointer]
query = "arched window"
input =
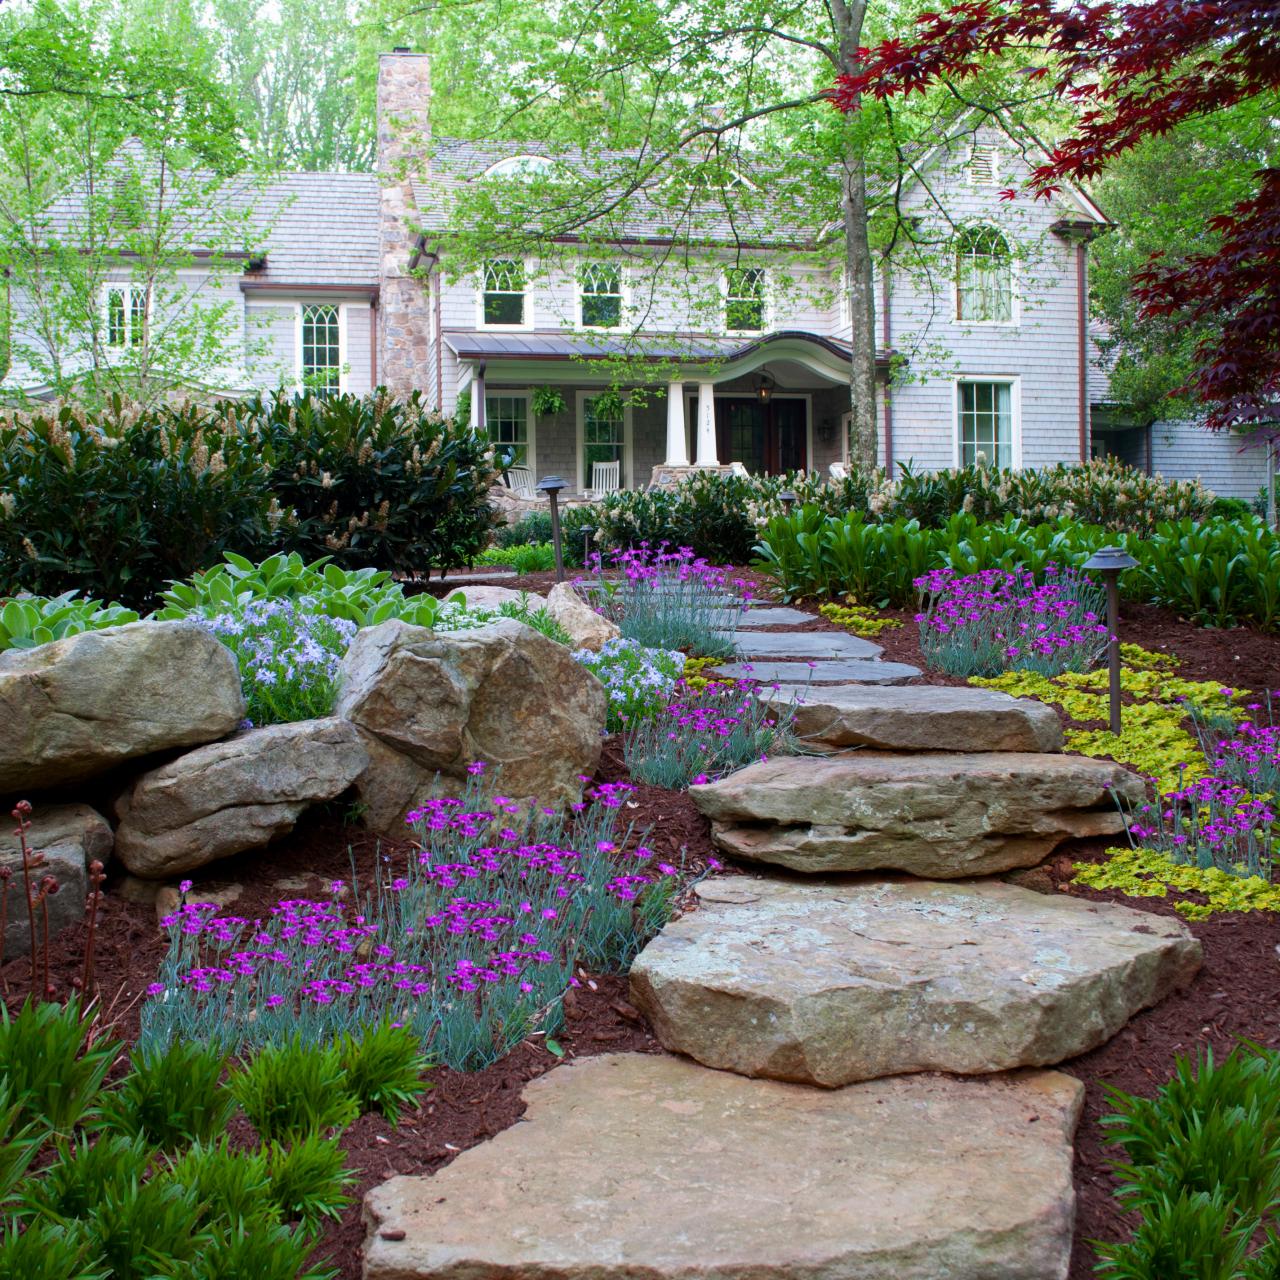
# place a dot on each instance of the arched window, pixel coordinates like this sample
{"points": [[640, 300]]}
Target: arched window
{"points": [[520, 167], [984, 277]]}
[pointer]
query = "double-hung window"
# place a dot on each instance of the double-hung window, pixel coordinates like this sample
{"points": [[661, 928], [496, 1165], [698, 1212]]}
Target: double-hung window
{"points": [[507, 420], [984, 277], [985, 412], [127, 309], [600, 295], [744, 299], [502, 300], [320, 361], [604, 439]]}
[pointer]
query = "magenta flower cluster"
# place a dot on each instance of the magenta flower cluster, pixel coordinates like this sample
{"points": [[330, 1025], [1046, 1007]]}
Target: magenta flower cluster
{"points": [[473, 941], [982, 624]]}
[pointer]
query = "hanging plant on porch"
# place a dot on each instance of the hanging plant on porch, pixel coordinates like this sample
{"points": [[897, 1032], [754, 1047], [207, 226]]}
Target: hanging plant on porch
{"points": [[608, 406], [548, 400]]}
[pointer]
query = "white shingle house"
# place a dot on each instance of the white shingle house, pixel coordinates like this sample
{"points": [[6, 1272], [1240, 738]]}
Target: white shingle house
{"points": [[988, 354]]}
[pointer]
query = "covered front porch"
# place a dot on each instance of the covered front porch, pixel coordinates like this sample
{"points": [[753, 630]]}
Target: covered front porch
{"points": [[774, 404]]}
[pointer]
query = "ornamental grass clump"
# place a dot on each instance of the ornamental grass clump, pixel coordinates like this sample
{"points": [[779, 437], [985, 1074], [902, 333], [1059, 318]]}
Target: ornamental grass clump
{"points": [[638, 681], [471, 943], [669, 599], [983, 624], [705, 733]]}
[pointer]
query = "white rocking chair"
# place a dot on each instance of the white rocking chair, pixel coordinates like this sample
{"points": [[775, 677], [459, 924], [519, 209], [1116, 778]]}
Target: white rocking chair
{"points": [[606, 478], [520, 482]]}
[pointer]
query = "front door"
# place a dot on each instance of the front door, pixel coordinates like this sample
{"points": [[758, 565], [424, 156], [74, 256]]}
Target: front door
{"points": [[765, 438]]}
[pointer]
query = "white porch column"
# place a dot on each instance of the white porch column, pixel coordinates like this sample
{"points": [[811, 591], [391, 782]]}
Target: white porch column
{"points": [[707, 425], [677, 440]]}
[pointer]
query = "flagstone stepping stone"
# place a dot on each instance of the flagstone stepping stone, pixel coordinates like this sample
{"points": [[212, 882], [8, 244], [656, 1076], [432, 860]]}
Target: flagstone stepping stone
{"points": [[937, 814], [920, 718], [805, 644], [643, 1167], [832, 671], [771, 616], [828, 984]]}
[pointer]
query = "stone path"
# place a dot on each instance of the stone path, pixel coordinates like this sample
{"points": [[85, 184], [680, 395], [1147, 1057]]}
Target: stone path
{"points": [[862, 1165]]}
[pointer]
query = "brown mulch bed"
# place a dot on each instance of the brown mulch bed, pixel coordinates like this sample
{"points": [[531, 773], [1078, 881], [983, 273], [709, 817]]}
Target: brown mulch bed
{"points": [[1233, 997]]}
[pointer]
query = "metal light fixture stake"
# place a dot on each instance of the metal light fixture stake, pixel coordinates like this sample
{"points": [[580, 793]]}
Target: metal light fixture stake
{"points": [[551, 486], [1111, 562], [788, 499]]}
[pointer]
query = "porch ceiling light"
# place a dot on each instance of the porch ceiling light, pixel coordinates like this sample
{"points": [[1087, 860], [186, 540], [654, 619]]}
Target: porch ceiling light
{"points": [[764, 388]]}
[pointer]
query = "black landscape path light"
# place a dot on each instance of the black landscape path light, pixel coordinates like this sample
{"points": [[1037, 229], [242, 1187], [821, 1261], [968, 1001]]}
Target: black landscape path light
{"points": [[1111, 562], [588, 533], [551, 486], [788, 500]]}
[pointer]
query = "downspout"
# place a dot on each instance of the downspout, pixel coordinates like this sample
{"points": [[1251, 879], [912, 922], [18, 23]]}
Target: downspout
{"points": [[436, 290], [886, 329], [477, 399], [1082, 317], [373, 344]]}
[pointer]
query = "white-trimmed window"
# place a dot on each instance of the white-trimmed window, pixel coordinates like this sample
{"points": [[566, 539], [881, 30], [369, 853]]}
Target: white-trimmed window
{"points": [[745, 297], [602, 437], [984, 277], [600, 295], [510, 426], [521, 167], [320, 347], [984, 164], [502, 296], [985, 416], [126, 311]]}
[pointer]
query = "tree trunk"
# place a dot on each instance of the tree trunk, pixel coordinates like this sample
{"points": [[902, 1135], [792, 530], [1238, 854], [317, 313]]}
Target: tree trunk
{"points": [[863, 436]]}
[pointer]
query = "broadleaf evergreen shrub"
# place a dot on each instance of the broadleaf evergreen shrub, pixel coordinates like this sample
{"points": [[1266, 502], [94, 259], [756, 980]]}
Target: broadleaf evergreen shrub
{"points": [[118, 503]]}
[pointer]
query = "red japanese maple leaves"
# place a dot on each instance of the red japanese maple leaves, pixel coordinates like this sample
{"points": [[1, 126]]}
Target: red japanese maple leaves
{"points": [[1134, 71]]}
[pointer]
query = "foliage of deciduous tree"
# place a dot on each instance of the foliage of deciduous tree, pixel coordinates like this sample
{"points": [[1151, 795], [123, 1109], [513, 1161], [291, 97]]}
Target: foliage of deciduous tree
{"points": [[1137, 71], [120, 207]]}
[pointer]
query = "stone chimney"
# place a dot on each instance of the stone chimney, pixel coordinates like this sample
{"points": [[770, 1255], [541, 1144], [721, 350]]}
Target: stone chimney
{"points": [[404, 137]]}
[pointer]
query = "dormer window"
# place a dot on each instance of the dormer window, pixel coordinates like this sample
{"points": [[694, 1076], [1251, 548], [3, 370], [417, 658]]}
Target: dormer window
{"points": [[744, 300], [984, 277], [521, 167], [983, 164], [600, 296], [502, 301], [126, 309]]}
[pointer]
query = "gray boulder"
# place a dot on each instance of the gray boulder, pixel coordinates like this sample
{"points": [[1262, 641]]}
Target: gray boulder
{"points": [[77, 707], [502, 694], [234, 795]]}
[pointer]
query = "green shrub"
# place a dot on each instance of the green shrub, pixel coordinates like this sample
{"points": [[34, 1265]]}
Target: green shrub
{"points": [[52, 1066], [535, 529], [535, 557], [233, 1186], [172, 1097], [254, 1252], [384, 1066], [293, 1089], [48, 1251], [1230, 509], [1201, 1166], [88, 1170], [118, 504], [32, 620], [375, 480], [308, 1179], [1216, 572], [131, 1226]]}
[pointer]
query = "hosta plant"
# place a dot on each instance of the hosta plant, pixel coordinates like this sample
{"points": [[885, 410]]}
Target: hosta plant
{"points": [[27, 621]]}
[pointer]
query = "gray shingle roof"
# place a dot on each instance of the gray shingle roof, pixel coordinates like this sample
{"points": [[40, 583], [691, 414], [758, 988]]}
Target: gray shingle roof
{"points": [[325, 229], [455, 163]]}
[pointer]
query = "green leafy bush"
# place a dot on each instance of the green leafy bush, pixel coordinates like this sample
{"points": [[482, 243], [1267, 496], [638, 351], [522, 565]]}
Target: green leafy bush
{"points": [[293, 1089], [534, 557], [384, 1066], [1201, 1166], [375, 479], [172, 1097], [1215, 572], [308, 1178], [535, 529], [117, 504], [32, 620]]}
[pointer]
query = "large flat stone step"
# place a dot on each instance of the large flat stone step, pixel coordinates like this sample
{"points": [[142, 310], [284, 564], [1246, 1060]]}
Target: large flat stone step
{"points": [[938, 814], [829, 671], [828, 984], [804, 644], [920, 718], [767, 615], [641, 1167]]}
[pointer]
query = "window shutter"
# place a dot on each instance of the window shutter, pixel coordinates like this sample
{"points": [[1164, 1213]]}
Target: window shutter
{"points": [[982, 164]]}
